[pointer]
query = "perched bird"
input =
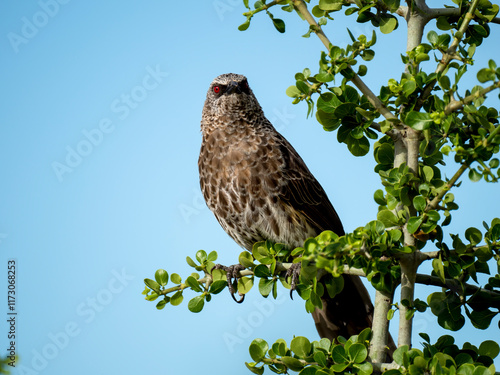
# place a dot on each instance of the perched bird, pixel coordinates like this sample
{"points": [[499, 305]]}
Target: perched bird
{"points": [[259, 188]]}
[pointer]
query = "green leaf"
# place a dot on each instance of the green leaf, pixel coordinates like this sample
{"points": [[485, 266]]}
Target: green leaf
{"points": [[331, 5], [279, 24], [254, 369], [419, 203], [152, 296], [437, 266], [339, 367], [392, 5], [244, 25], [246, 259], [177, 298], [152, 285], [428, 173], [473, 235], [258, 349], [388, 23], [466, 369], [443, 24], [265, 286], [161, 304], [399, 354], [364, 368], [302, 86], [196, 304], [293, 92], [161, 277], [388, 218], [414, 223], [358, 147], [390, 314], [443, 41], [212, 256], [432, 37], [481, 370], [345, 109], [357, 352], [324, 77], [301, 346], [433, 216], [366, 55], [245, 284], [489, 348], [409, 87], [474, 175], [384, 154], [190, 262], [379, 197], [482, 319], [217, 286], [201, 256], [292, 363], [175, 278], [338, 354], [419, 120], [328, 120], [309, 371], [193, 284], [485, 75], [262, 271], [444, 82]]}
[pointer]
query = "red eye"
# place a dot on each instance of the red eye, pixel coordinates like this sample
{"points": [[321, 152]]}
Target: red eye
{"points": [[216, 89]]}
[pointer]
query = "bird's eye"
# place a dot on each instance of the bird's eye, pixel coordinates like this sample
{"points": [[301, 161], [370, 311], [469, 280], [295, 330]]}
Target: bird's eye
{"points": [[217, 89]]}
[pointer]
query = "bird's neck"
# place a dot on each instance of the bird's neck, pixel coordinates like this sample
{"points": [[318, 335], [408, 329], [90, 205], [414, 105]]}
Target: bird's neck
{"points": [[234, 124]]}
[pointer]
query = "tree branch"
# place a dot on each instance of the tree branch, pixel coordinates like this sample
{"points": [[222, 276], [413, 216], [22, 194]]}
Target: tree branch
{"points": [[301, 7], [454, 285], [380, 338], [435, 254], [416, 22], [459, 104], [437, 199], [448, 55], [438, 12]]}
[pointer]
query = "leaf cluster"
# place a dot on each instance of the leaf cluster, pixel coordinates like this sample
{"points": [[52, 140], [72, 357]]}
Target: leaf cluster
{"points": [[446, 358], [309, 358]]}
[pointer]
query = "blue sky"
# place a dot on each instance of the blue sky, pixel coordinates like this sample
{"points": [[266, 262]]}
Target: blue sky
{"points": [[99, 141]]}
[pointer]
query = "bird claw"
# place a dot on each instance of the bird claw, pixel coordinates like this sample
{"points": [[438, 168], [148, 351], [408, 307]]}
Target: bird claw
{"points": [[293, 272], [232, 275]]}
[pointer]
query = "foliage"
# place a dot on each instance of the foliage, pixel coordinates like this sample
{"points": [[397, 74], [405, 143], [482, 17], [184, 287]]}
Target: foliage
{"points": [[416, 123], [349, 356]]}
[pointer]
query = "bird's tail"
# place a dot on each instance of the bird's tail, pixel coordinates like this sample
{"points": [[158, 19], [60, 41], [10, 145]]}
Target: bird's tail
{"points": [[348, 313]]}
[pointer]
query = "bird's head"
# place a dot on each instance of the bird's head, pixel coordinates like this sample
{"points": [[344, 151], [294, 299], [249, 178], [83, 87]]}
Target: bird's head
{"points": [[228, 95]]}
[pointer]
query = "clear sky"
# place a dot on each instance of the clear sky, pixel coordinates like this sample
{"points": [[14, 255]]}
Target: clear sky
{"points": [[99, 141]]}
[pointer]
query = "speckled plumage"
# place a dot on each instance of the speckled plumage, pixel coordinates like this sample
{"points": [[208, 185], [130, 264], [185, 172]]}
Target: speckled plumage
{"points": [[259, 188]]}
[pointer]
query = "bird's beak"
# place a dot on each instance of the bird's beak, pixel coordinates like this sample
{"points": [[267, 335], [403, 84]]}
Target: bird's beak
{"points": [[232, 87]]}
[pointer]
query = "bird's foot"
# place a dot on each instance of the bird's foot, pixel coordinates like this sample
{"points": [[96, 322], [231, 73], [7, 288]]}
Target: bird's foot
{"points": [[293, 272], [232, 275]]}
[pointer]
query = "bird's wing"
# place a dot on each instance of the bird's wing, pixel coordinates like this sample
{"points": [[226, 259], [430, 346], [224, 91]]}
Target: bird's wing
{"points": [[303, 192]]}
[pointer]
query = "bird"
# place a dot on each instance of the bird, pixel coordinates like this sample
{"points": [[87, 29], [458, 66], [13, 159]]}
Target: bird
{"points": [[259, 188]]}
